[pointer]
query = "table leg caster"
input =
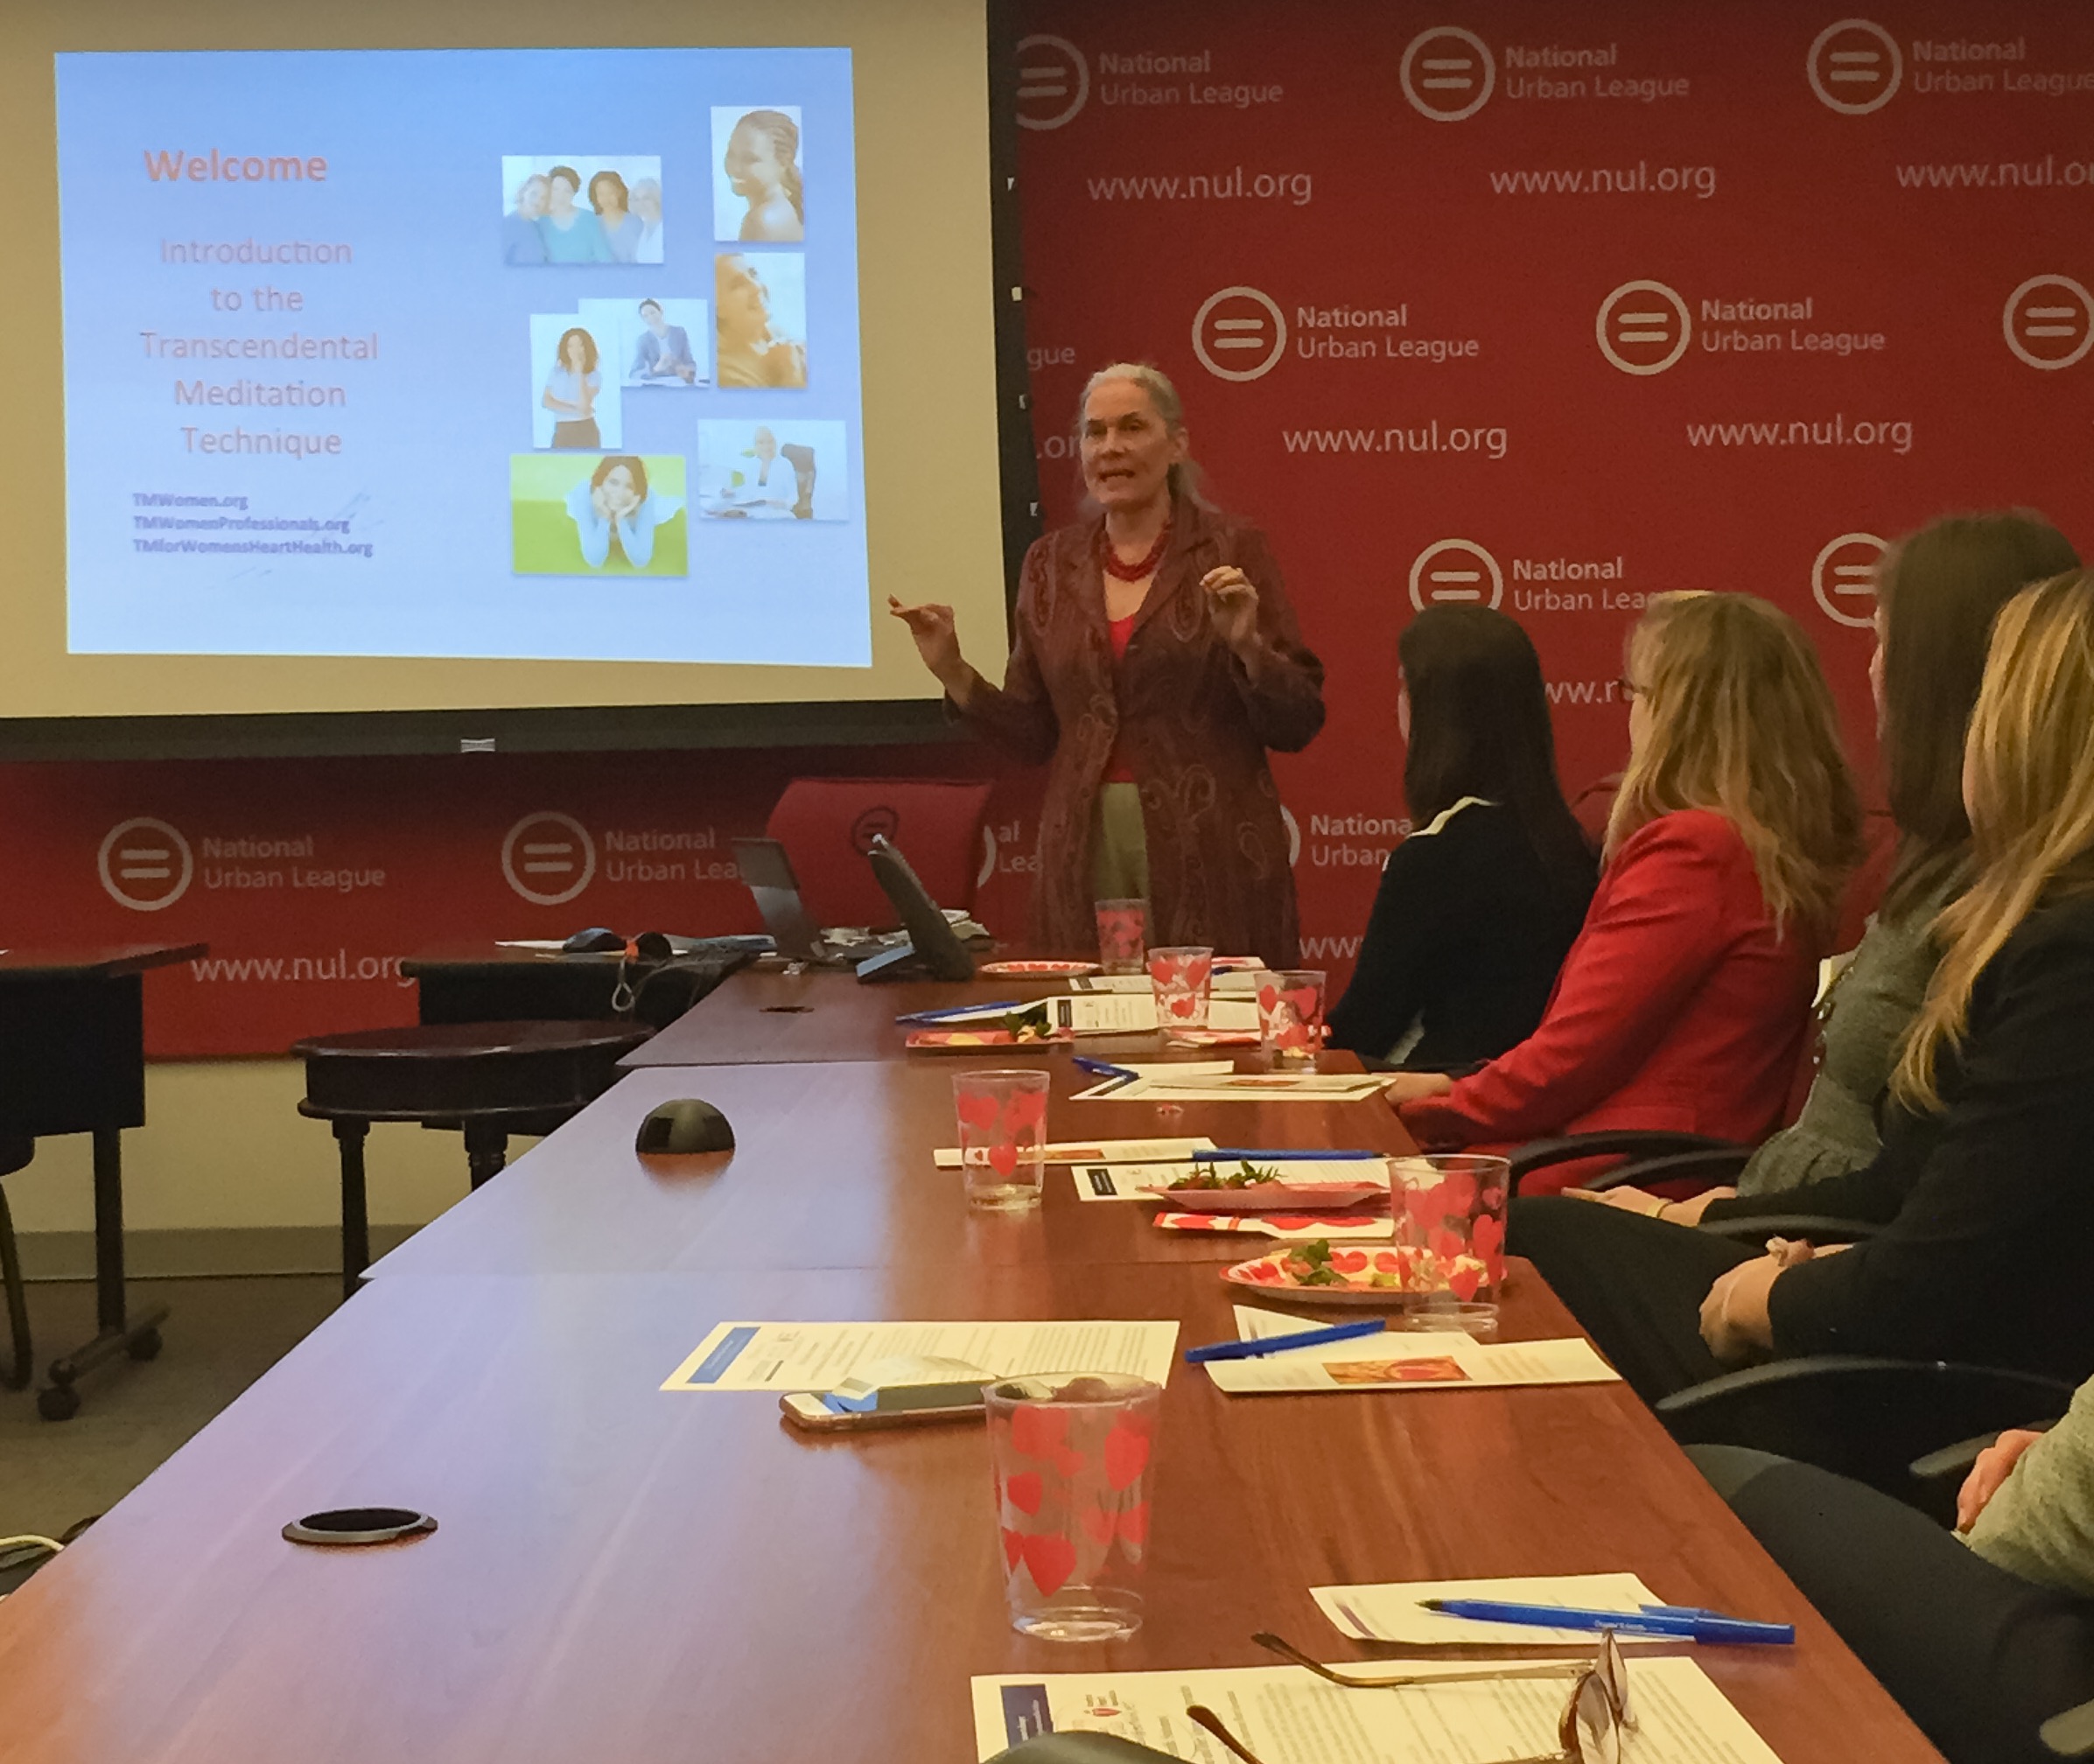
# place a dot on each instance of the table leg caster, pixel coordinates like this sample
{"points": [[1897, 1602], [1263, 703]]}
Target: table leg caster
{"points": [[145, 1345], [58, 1402]]}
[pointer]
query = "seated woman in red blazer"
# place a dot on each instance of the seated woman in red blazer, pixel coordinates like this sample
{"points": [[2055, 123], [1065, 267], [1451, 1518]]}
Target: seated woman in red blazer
{"points": [[1684, 1003]]}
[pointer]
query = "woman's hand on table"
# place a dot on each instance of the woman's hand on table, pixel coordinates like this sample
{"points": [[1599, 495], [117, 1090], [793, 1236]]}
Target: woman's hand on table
{"points": [[1415, 1086], [1687, 1212], [1989, 1472]]}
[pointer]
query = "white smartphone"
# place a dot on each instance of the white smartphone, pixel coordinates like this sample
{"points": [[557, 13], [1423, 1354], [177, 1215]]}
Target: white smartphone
{"points": [[806, 1408]]}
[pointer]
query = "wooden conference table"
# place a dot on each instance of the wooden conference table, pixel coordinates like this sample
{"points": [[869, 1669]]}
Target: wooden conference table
{"points": [[624, 1574]]}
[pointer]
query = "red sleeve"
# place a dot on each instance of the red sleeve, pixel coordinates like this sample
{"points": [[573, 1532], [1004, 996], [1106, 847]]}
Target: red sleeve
{"points": [[1660, 926]]}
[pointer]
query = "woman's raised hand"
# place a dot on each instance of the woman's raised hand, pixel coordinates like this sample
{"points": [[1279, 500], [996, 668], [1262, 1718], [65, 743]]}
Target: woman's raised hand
{"points": [[1232, 605], [937, 642]]}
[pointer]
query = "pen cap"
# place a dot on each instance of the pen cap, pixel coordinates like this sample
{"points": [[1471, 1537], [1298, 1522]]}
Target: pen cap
{"points": [[1721, 1629]]}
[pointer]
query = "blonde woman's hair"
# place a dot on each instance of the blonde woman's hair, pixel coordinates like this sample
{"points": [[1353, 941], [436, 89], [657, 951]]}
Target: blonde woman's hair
{"points": [[2029, 758], [1742, 722], [1185, 478]]}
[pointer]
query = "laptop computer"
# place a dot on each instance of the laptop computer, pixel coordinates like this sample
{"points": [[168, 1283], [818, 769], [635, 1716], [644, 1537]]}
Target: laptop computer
{"points": [[768, 871]]}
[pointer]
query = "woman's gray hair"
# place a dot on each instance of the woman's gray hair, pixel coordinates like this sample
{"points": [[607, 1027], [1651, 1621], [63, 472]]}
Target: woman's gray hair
{"points": [[1185, 478]]}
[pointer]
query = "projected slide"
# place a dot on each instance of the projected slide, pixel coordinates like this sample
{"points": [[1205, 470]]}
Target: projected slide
{"points": [[511, 354]]}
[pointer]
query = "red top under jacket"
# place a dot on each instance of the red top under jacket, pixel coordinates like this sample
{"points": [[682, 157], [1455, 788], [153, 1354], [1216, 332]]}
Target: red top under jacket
{"points": [[1677, 1008], [1118, 770]]}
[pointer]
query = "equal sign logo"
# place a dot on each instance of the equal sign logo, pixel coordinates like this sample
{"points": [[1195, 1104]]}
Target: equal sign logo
{"points": [[1239, 333], [145, 864], [548, 858], [2049, 321], [1456, 572], [1843, 579], [1643, 327], [1053, 80], [1854, 66], [1449, 73]]}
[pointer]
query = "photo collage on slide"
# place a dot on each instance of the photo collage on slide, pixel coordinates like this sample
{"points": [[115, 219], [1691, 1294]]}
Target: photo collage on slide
{"points": [[633, 385]]}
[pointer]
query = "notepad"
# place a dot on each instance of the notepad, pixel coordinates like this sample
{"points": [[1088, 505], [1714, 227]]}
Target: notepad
{"points": [[1425, 1359], [820, 1357], [1283, 1713], [1104, 1152], [1390, 1610]]}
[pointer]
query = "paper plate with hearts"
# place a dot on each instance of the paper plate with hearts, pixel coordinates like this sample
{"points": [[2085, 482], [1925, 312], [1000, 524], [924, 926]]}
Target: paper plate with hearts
{"points": [[1399, 1277], [1041, 970]]}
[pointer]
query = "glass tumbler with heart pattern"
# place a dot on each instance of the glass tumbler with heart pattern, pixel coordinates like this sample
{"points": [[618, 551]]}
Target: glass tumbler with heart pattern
{"points": [[1003, 1137], [1449, 1240], [1182, 978], [1073, 1454], [1290, 1015], [1122, 935]]}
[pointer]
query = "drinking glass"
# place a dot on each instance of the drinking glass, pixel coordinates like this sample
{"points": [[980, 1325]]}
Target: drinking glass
{"points": [[1449, 1211], [1122, 935], [1003, 1137], [1182, 978], [1073, 1453], [1290, 1014]]}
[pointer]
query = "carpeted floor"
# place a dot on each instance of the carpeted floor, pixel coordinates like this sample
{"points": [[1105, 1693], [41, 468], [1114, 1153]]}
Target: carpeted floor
{"points": [[223, 1335]]}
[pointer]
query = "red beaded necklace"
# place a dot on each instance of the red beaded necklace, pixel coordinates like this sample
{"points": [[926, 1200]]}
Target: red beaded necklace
{"points": [[1142, 567]]}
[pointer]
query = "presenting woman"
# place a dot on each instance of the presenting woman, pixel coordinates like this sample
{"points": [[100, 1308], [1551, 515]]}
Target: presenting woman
{"points": [[1478, 905], [1684, 1003], [572, 389], [1154, 661]]}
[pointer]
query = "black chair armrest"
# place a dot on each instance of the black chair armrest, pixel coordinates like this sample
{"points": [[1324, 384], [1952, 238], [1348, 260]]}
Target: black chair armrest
{"points": [[1858, 1415], [1539, 1154], [1711, 1166], [1812, 1227]]}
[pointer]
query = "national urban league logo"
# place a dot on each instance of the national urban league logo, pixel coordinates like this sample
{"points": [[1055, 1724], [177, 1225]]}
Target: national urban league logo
{"points": [[1053, 80], [1843, 579], [1854, 66], [1455, 572], [548, 858], [2049, 321], [145, 864], [1239, 333], [1643, 327], [875, 823], [1447, 73]]}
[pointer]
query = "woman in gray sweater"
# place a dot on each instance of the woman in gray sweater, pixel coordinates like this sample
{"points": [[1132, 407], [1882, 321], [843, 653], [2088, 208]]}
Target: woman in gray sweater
{"points": [[1937, 593]]}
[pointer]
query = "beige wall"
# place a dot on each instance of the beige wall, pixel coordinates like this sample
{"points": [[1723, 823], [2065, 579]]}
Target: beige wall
{"points": [[224, 1147]]}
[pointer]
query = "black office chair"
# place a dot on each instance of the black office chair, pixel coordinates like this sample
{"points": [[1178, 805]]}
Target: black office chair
{"points": [[1653, 1155], [15, 1151]]}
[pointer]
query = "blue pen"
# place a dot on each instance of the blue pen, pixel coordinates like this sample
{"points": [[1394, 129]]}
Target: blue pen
{"points": [[1279, 1344], [1103, 1068], [961, 1011], [1227, 1154], [1686, 1628]]}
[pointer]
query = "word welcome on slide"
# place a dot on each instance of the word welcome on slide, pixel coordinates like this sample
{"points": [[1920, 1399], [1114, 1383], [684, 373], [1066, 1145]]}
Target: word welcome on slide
{"points": [[230, 168], [531, 355]]}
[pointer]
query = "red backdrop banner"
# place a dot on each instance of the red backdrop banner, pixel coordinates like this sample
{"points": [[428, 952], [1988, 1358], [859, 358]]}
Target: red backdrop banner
{"points": [[1551, 308]]}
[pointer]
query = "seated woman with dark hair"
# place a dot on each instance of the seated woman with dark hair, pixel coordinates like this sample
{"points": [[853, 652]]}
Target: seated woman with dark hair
{"points": [[1478, 905], [1684, 1003], [1983, 1188], [1937, 592]]}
